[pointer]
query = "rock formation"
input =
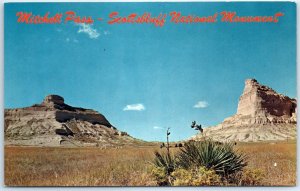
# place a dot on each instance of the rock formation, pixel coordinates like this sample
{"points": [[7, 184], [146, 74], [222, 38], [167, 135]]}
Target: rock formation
{"points": [[54, 123], [264, 104], [262, 115]]}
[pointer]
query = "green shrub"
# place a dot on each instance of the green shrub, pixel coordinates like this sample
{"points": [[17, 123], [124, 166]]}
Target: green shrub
{"points": [[202, 164], [164, 165], [219, 157], [166, 161]]}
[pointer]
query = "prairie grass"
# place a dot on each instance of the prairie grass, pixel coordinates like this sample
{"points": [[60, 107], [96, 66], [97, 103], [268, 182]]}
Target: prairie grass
{"points": [[29, 166], [39, 166], [277, 160]]}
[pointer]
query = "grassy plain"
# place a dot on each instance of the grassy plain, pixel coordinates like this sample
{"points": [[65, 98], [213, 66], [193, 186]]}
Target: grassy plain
{"points": [[277, 160], [40, 166]]}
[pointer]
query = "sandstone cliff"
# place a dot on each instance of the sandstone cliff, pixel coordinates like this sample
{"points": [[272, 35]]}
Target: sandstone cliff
{"points": [[262, 115], [54, 123]]}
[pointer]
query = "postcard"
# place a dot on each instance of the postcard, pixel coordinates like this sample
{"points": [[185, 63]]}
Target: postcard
{"points": [[150, 94]]}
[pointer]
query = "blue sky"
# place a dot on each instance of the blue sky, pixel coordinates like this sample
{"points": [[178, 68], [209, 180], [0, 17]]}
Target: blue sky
{"points": [[145, 78]]}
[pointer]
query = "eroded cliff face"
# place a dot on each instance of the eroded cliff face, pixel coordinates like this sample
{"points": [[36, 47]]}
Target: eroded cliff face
{"points": [[259, 100], [54, 123], [262, 115]]}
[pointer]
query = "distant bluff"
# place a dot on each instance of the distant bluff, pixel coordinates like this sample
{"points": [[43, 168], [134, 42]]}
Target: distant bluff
{"points": [[262, 115], [54, 123]]}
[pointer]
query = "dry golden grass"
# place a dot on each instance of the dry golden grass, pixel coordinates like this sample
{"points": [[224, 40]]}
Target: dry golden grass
{"points": [[29, 166], [278, 160], [26, 166]]}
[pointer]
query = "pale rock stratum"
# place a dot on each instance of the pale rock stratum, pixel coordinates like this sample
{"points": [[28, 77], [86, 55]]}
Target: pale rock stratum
{"points": [[54, 123], [262, 115]]}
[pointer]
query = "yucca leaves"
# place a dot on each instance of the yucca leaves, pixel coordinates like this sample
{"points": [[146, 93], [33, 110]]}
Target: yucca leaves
{"points": [[165, 161], [219, 157]]}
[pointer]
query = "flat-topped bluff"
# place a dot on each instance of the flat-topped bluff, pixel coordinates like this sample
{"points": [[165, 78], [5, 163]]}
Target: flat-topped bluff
{"points": [[54, 123], [54, 107], [262, 115]]}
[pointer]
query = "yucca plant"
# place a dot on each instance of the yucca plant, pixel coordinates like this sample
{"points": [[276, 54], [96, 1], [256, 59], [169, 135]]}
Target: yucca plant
{"points": [[219, 157], [164, 164], [165, 161]]}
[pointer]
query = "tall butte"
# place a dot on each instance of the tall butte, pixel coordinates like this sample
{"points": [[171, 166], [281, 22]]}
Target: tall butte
{"points": [[54, 123], [262, 115]]}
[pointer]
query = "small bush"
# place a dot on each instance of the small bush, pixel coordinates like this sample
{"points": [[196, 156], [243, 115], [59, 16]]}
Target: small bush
{"points": [[160, 176], [252, 177], [182, 177], [195, 177]]}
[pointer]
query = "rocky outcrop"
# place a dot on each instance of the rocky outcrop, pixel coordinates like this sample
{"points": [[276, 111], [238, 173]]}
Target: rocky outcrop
{"points": [[54, 123], [262, 115], [53, 99], [263, 103]]}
